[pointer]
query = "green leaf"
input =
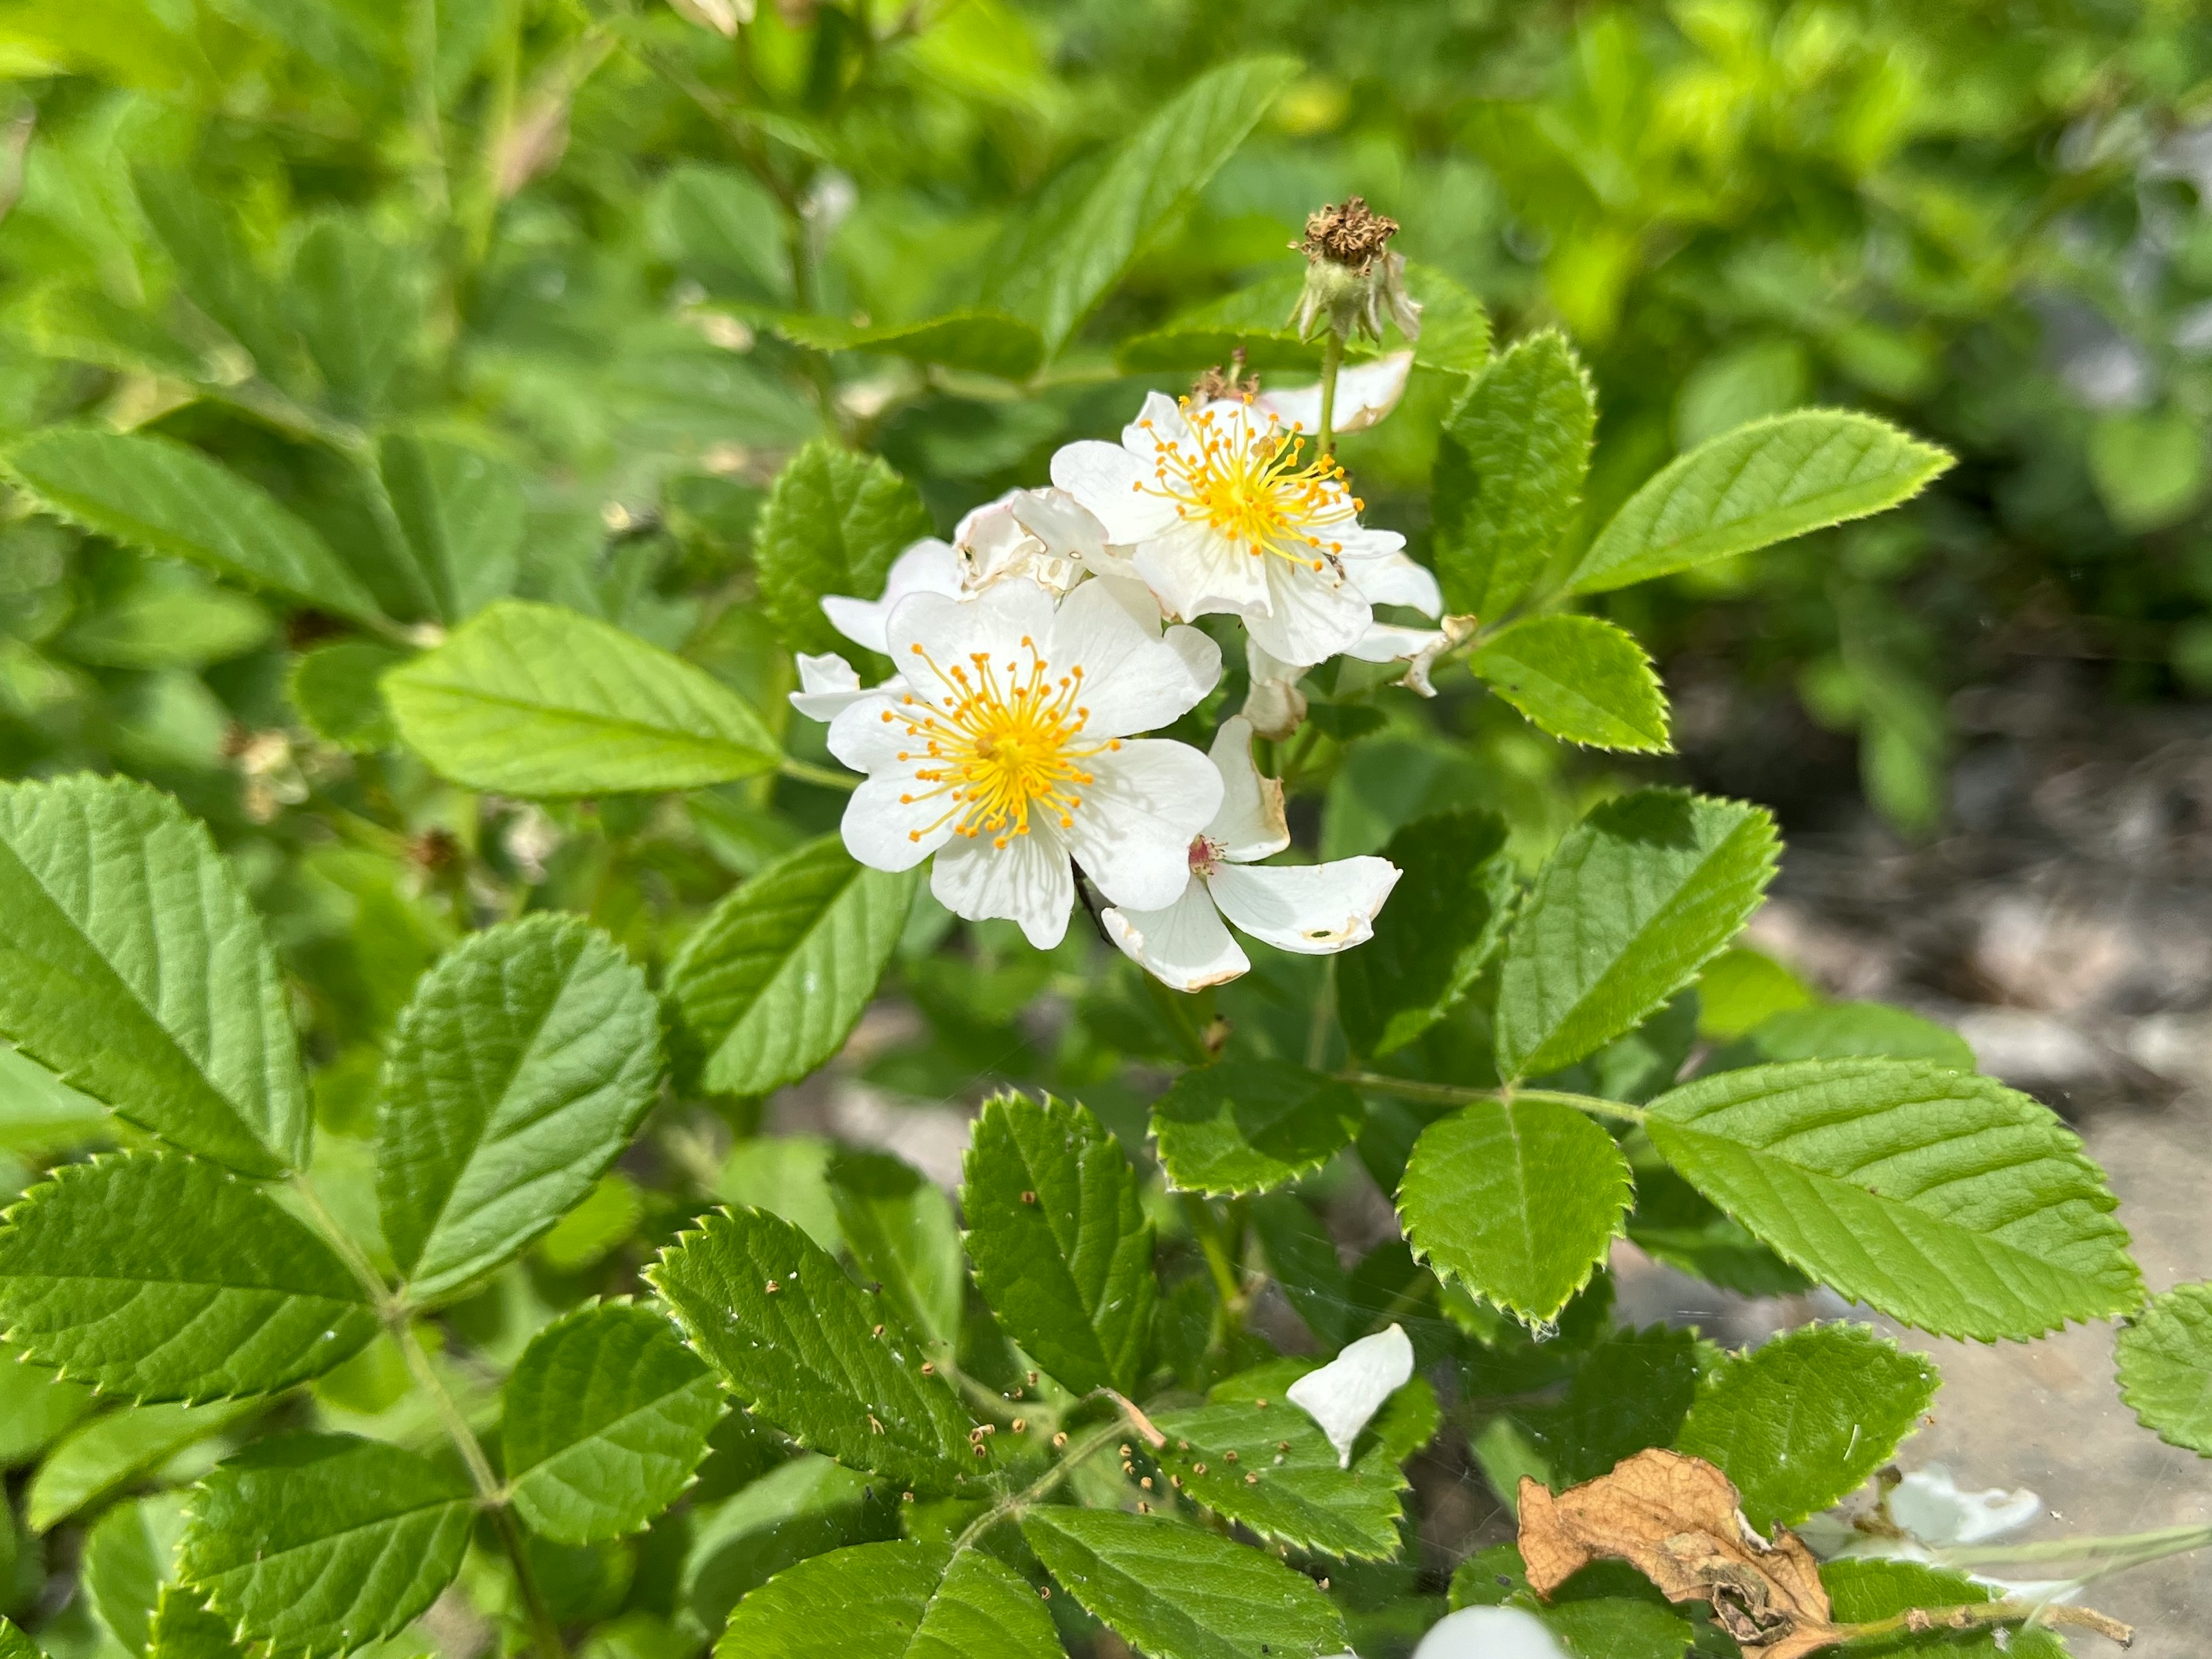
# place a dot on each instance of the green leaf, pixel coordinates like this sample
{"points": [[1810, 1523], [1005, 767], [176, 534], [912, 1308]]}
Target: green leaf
{"points": [[128, 1556], [811, 1352], [901, 1232], [13, 1644], [1607, 1611], [1631, 1391], [1948, 1201], [1517, 1201], [98, 1280], [184, 1628], [170, 617], [461, 511], [322, 1543], [607, 1416], [802, 1507], [1069, 250], [534, 700], [2165, 1366], [1632, 903], [132, 965], [1176, 1592], [1510, 472], [1269, 1466], [772, 982], [353, 295], [902, 1601], [1056, 1230], [979, 342], [37, 1410], [1801, 1421], [160, 498], [1242, 1126], [1455, 327], [339, 690], [1862, 1591], [1303, 1258], [110, 1451], [1256, 319], [1444, 921], [518, 1071], [833, 522], [1580, 679], [1846, 1030], [1761, 484]]}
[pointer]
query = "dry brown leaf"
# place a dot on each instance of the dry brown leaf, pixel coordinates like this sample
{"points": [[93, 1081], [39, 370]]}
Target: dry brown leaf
{"points": [[1675, 1520]]}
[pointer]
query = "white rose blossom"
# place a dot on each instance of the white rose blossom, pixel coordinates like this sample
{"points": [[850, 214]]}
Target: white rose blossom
{"points": [[1314, 910], [1216, 508], [1011, 748]]}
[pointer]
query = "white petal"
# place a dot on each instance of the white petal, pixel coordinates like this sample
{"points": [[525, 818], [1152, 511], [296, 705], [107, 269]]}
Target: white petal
{"points": [[1130, 592], [928, 567], [1197, 572], [1315, 909], [1132, 680], [929, 635], [1107, 482], [1365, 392], [1250, 823], [862, 738], [1394, 579], [1199, 655], [1026, 881], [1274, 705], [1312, 614], [886, 832], [1160, 422], [1343, 1395], [1490, 1633], [1068, 528], [1388, 642], [977, 521], [1184, 946], [828, 685], [1929, 1504], [1145, 803]]}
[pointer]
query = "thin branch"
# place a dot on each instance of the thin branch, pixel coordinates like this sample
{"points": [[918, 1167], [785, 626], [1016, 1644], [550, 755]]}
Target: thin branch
{"points": [[1452, 1094], [1975, 1613], [1089, 1446]]}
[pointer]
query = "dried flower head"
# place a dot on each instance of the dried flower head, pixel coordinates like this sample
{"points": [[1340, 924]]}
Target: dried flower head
{"points": [[1353, 234], [1216, 384], [1354, 284]]}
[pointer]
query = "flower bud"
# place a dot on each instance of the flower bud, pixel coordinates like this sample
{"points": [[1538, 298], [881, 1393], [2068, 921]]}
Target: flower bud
{"points": [[1354, 284]]}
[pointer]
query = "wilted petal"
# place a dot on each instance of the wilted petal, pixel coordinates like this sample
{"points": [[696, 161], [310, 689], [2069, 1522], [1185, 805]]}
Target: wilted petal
{"points": [[1929, 1503], [1344, 1396], [1274, 704]]}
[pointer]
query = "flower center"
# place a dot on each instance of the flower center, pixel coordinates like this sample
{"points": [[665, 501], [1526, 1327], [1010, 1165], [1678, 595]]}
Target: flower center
{"points": [[1002, 742], [1249, 483], [1204, 855]]}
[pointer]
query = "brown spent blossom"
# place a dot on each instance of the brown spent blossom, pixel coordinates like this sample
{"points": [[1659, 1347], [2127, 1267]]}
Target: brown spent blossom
{"points": [[1354, 284], [1353, 236], [1214, 385]]}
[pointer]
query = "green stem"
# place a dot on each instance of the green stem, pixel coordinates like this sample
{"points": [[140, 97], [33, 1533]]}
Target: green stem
{"points": [[1451, 1094], [1332, 360], [544, 1632], [1089, 1446], [1975, 1613], [1216, 1250], [2134, 1546], [822, 775]]}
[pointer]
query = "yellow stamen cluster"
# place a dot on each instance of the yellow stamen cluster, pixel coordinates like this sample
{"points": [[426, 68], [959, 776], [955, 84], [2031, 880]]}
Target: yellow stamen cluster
{"points": [[1001, 743], [1249, 483]]}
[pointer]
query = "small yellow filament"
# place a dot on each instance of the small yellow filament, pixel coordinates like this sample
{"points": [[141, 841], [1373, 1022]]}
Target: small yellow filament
{"points": [[1248, 482], [998, 750]]}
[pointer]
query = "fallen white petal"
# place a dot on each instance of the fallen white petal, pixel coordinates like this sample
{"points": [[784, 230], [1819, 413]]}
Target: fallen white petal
{"points": [[1929, 1504], [1344, 1396], [1490, 1633]]}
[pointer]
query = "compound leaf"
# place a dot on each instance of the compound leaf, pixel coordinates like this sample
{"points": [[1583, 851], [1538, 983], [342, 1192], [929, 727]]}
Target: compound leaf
{"points": [[165, 1277], [2166, 1367], [1509, 471], [891, 1601], [1242, 1126], [518, 1071], [1948, 1202], [1631, 904], [1443, 923], [1799, 1422], [606, 1415], [532, 700], [1580, 679], [1181, 1593], [772, 982], [162, 498], [1761, 484], [833, 522], [1062, 1251], [322, 1543], [1518, 1201], [811, 1352], [131, 965]]}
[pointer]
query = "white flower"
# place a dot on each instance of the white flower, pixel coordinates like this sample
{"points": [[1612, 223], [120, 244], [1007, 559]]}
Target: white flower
{"points": [[1274, 704], [1315, 909], [1043, 534], [1344, 1396], [1013, 749], [928, 567], [1365, 392], [1490, 1633], [1216, 508]]}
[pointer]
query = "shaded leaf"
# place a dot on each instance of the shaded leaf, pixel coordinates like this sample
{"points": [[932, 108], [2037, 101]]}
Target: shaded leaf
{"points": [[339, 690], [902, 1601], [1580, 679], [900, 1231], [461, 512], [981, 342], [1242, 1126], [833, 522], [110, 1451], [1948, 1202], [353, 296]]}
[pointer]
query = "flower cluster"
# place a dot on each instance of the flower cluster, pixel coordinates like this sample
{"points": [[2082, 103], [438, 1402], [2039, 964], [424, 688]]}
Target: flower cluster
{"points": [[1032, 653]]}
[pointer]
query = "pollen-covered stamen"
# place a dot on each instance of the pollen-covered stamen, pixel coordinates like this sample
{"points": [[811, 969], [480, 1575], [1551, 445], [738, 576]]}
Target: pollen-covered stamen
{"points": [[1204, 855], [1250, 482], [1002, 742]]}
